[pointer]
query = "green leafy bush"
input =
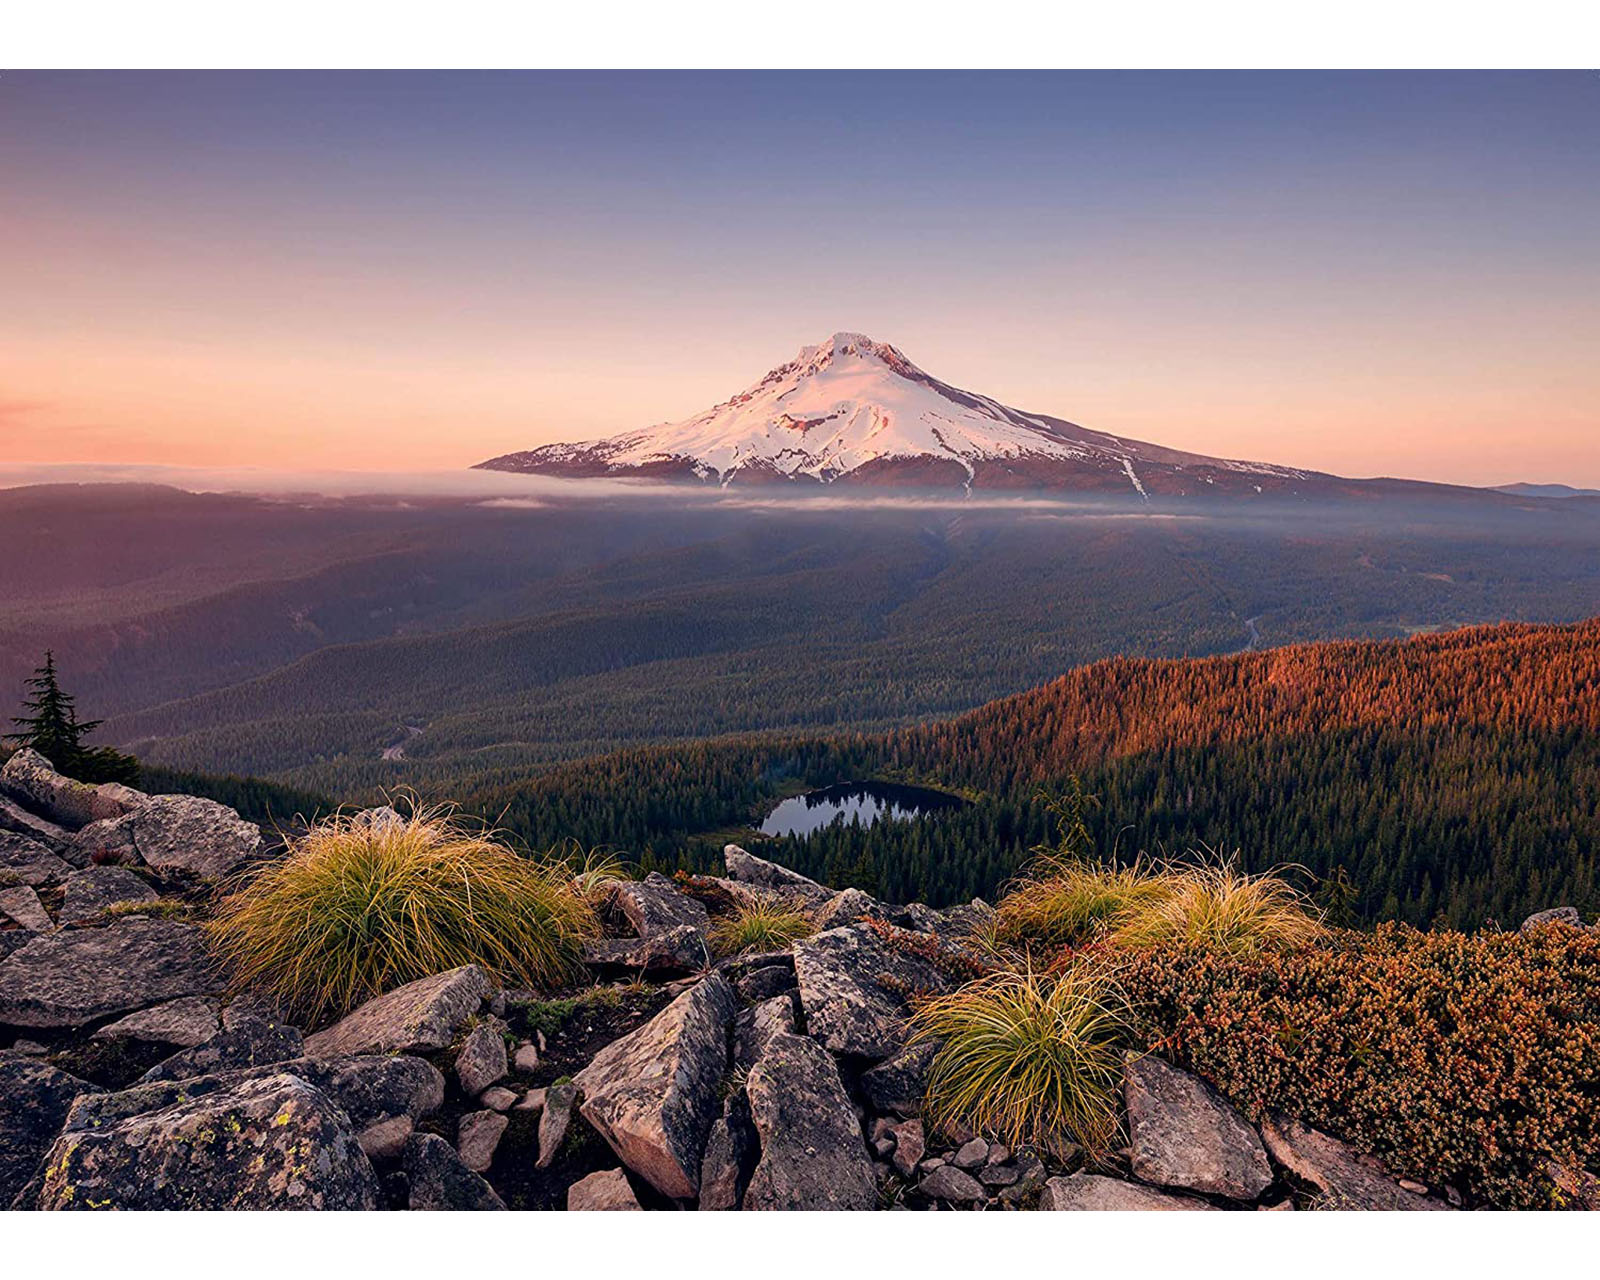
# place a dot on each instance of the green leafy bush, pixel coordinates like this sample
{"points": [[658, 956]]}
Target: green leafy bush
{"points": [[1465, 1060]]}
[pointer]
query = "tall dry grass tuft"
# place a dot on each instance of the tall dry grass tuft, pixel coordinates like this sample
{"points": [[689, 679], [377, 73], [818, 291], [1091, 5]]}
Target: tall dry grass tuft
{"points": [[764, 924], [1033, 1059], [1221, 910], [1065, 902], [358, 908]]}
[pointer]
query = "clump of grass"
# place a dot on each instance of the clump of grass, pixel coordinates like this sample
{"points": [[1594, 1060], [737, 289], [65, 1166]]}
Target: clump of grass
{"points": [[1064, 902], [1032, 1059], [1220, 910], [357, 908], [763, 924]]}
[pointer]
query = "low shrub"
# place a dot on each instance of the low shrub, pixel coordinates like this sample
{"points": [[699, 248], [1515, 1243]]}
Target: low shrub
{"points": [[358, 908], [763, 924], [1033, 1059], [1465, 1060]]}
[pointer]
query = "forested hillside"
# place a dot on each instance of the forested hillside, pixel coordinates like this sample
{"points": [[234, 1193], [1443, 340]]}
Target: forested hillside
{"points": [[1455, 775]]}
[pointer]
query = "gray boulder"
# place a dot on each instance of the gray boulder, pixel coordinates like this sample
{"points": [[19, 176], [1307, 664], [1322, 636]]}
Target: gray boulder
{"points": [[68, 978], [849, 906], [482, 1060], [183, 1023], [950, 1183], [17, 821], [32, 781], [272, 1143], [92, 890], [555, 1120], [30, 860], [812, 1153], [250, 1042], [767, 981], [1337, 1172], [478, 1137], [910, 1145], [854, 988], [654, 905], [897, 1086], [681, 949], [21, 904], [420, 1016], [652, 1094], [1183, 1133], [34, 1101], [747, 869], [437, 1180], [1092, 1193], [1555, 915], [185, 833], [607, 1190], [754, 1028]]}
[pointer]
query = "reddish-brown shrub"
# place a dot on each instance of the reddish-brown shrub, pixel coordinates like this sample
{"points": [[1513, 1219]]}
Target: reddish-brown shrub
{"points": [[1465, 1060]]}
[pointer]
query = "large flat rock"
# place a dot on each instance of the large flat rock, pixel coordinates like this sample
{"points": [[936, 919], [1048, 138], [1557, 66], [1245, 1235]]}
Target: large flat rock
{"points": [[272, 1143], [1336, 1170], [70, 978], [422, 1015], [813, 1155], [30, 860], [185, 833], [92, 890], [182, 1023], [1183, 1133], [1089, 1192], [32, 782], [654, 1093]]}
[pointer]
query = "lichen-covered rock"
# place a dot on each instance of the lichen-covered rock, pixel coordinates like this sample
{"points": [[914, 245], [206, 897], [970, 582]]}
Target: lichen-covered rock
{"points": [[897, 1086], [1089, 1192], [849, 906], [183, 1023], [176, 832], [30, 860], [34, 1101], [273, 1143], [92, 890], [681, 949], [754, 1028], [420, 1016], [21, 904], [32, 781], [482, 1060], [74, 976], [17, 821], [250, 1042], [812, 1153], [1335, 1170], [555, 1120], [606, 1190], [910, 1145], [437, 1179], [652, 1094], [654, 905], [767, 981], [747, 869], [731, 1151], [1183, 1133], [855, 989]]}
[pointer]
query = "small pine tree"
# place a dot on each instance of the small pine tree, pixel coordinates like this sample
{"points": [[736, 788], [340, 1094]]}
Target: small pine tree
{"points": [[52, 728]]}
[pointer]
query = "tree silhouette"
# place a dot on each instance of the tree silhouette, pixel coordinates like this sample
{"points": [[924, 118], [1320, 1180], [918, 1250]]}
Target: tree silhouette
{"points": [[52, 728]]}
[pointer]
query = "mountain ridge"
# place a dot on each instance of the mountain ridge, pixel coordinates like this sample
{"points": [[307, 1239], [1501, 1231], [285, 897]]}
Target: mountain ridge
{"points": [[853, 410]]}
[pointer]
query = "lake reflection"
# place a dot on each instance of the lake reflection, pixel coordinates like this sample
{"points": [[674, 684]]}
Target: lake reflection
{"points": [[860, 802]]}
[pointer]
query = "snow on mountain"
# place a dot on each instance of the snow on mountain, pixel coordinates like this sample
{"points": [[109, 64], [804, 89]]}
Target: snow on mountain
{"points": [[855, 410]]}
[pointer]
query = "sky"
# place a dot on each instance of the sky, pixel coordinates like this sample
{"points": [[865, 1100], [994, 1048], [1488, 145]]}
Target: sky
{"points": [[1368, 273]]}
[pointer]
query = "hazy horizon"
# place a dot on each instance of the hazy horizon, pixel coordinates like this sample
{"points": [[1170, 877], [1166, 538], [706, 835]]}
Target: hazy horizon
{"points": [[1371, 274]]}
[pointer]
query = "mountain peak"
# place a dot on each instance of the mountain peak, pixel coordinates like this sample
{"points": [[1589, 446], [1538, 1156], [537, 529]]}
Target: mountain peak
{"points": [[854, 408]]}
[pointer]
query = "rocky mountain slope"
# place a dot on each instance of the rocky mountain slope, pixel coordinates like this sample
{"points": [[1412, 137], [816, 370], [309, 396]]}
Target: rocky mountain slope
{"points": [[133, 1077], [854, 410]]}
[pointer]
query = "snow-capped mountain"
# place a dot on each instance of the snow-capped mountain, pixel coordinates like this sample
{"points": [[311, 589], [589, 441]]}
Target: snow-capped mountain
{"points": [[853, 410]]}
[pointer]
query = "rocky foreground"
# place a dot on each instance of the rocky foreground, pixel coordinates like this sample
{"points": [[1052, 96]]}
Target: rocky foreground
{"points": [[132, 1078]]}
